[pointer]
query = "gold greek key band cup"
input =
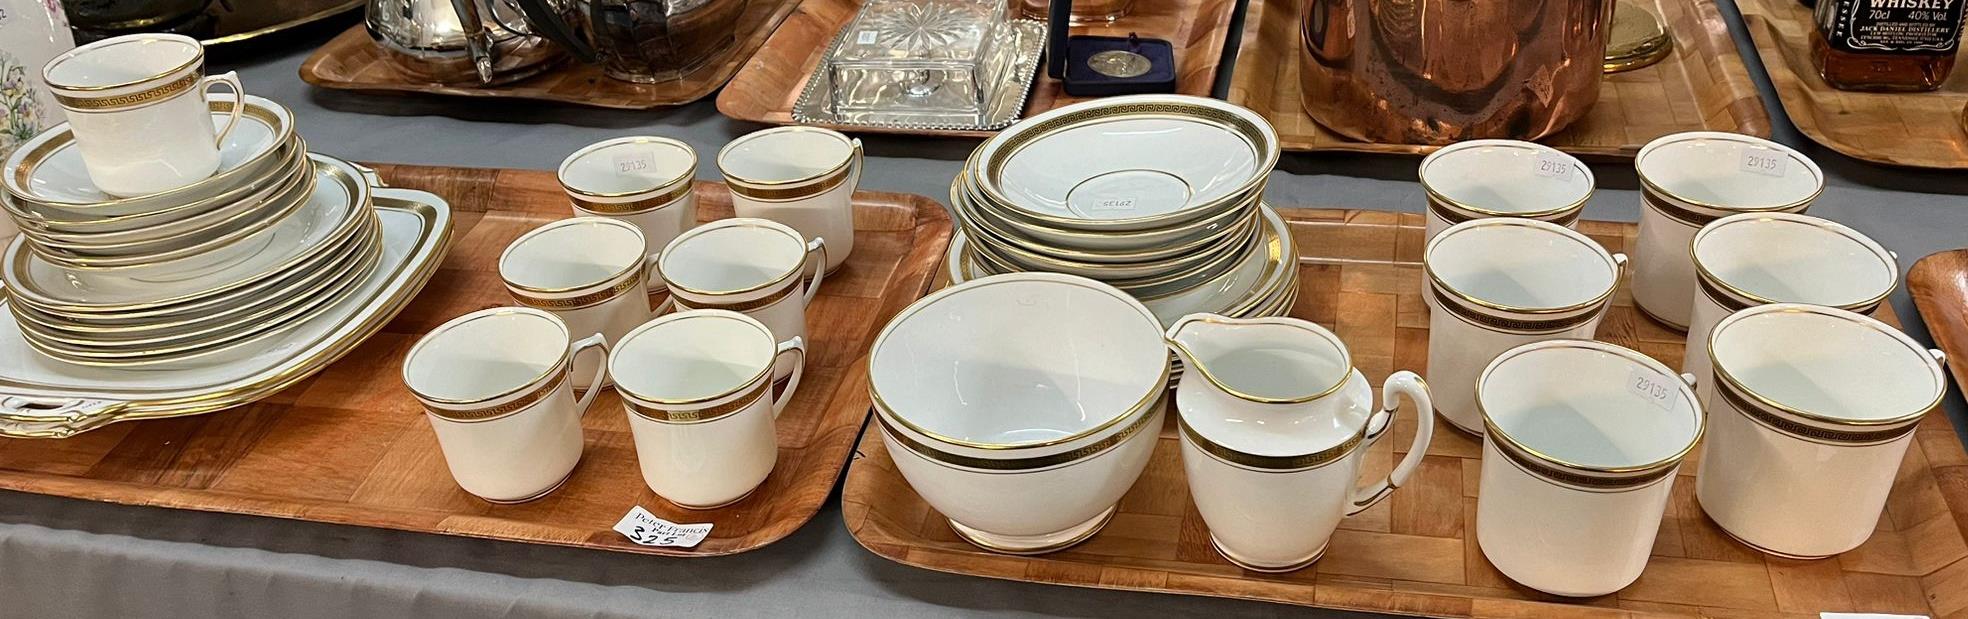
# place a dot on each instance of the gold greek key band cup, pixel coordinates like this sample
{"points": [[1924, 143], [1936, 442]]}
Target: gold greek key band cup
{"points": [[1583, 476], [567, 294], [671, 264], [847, 171], [1504, 317], [623, 185], [87, 96], [1657, 191], [1815, 425], [680, 339], [749, 394], [508, 402]]}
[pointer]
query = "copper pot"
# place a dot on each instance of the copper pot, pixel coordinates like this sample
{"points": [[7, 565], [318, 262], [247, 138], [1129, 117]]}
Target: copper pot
{"points": [[1439, 71]]}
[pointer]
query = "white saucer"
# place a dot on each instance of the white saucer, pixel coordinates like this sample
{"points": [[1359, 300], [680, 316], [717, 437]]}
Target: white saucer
{"points": [[1260, 279], [48, 168], [294, 243]]}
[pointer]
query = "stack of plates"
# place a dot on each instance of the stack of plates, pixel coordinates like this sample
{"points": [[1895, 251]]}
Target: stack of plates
{"points": [[183, 277], [1157, 195]]}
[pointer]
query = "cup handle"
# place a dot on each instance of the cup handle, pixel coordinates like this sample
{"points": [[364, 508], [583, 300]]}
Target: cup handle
{"points": [[594, 384], [819, 273], [229, 79], [1401, 384], [795, 345], [854, 176]]}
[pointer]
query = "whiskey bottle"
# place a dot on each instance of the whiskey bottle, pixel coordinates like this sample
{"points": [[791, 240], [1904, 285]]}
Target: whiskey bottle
{"points": [[1886, 45]]}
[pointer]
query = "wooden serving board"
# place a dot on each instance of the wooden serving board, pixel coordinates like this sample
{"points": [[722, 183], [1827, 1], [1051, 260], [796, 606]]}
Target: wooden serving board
{"points": [[352, 61], [1939, 285], [1907, 129], [351, 446], [1701, 86], [764, 91], [1416, 553]]}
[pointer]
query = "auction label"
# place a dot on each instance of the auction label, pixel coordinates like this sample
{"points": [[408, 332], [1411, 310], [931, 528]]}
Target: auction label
{"points": [[645, 528]]}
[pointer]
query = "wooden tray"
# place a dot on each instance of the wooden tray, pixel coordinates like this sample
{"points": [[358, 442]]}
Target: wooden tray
{"points": [[764, 91], [350, 445], [1415, 553], [353, 62], [1908, 129], [1701, 85], [1939, 285]]}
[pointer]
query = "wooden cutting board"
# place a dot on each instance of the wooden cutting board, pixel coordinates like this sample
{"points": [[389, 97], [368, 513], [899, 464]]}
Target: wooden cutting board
{"points": [[1920, 129], [1701, 86], [1360, 275], [352, 61], [351, 446], [764, 91]]}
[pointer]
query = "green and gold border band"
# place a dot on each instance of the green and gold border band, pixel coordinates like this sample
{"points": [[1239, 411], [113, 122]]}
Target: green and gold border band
{"points": [[701, 415], [1512, 325], [1539, 468], [1271, 463], [493, 412], [1448, 213], [890, 433], [788, 194], [634, 207], [1806, 432], [578, 302], [1732, 305], [158, 93], [740, 306], [1694, 219]]}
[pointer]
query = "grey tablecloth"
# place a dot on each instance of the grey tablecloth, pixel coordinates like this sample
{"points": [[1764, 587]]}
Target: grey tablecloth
{"points": [[61, 557]]}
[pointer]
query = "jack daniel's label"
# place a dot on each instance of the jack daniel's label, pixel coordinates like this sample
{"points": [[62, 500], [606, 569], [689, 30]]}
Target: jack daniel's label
{"points": [[1888, 26]]}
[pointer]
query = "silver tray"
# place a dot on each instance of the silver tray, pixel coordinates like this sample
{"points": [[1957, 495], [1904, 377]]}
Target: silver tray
{"points": [[815, 103], [44, 398]]}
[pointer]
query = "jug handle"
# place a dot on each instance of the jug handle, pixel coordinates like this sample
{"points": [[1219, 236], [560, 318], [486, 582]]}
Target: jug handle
{"points": [[542, 16], [1403, 384]]}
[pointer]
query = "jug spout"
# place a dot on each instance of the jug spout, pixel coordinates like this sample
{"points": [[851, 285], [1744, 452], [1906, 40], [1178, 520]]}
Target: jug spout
{"points": [[1263, 360]]}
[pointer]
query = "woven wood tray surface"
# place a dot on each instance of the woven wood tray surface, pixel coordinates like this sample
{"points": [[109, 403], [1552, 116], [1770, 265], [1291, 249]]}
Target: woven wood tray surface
{"points": [[1702, 85], [1415, 553], [1909, 129], [353, 62], [351, 446], [764, 91]]}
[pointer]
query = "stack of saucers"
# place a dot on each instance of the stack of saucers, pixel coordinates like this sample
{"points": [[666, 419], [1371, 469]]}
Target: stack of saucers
{"points": [[1159, 196], [183, 276]]}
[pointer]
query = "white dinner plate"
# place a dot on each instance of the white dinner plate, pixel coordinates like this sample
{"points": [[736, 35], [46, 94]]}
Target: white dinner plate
{"points": [[42, 397]]}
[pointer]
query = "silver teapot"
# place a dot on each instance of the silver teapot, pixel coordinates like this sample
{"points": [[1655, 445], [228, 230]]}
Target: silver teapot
{"points": [[643, 41], [460, 41]]}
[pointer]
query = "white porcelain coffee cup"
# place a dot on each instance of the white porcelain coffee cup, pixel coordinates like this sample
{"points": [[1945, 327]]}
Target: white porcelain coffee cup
{"points": [[803, 177], [1811, 410], [1479, 179], [644, 181], [495, 386], [750, 266], [1499, 283], [1754, 259], [138, 108], [697, 386], [1579, 457], [590, 272], [1690, 179]]}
